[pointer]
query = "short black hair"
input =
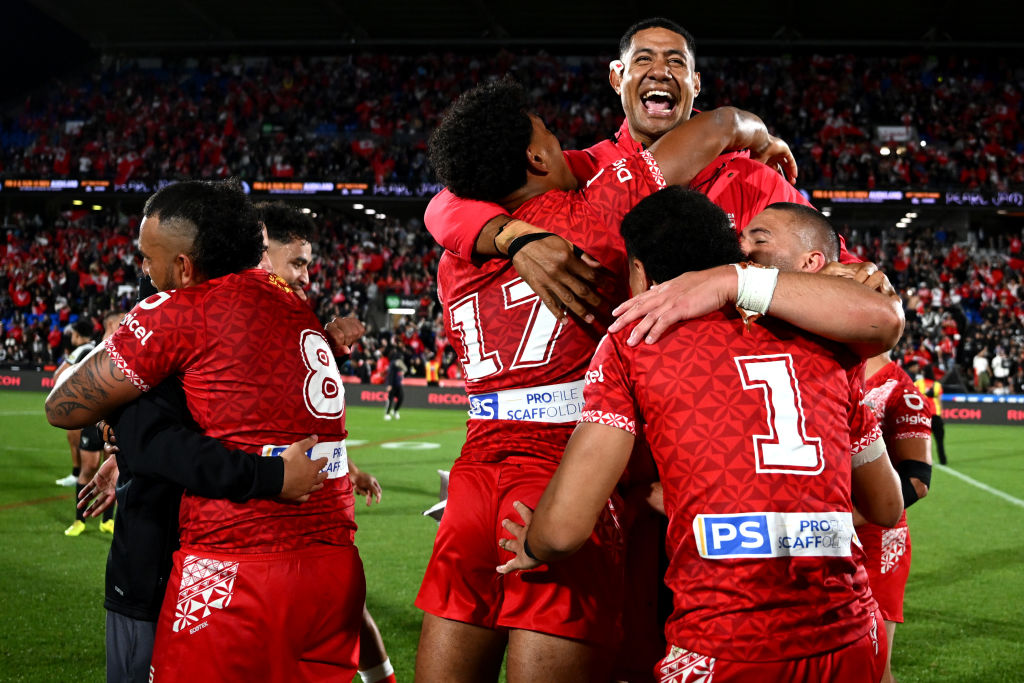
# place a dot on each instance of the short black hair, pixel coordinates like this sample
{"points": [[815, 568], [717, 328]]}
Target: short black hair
{"points": [[675, 231], [822, 232], [285, 223], [657, 22], [83, 327], [220, 219], [479, 149]]}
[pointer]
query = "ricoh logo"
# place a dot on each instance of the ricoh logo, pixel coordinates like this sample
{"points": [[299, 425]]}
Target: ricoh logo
{"points": [[9, 381]]}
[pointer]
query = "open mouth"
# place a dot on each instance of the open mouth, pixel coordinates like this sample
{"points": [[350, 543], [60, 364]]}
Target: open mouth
{"points": [[658, 102]]}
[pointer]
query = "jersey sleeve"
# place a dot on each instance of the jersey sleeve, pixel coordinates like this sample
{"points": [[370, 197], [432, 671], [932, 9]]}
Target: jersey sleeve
{"points": [[607, 393], [908, 414], [160, 336], [619, 186], [866, 442], [455, 223]]}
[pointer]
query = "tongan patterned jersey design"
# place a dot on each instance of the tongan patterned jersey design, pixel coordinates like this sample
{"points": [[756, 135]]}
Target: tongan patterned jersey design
{"points": [[503, 334], [257, 371], [903, 413], [751, 432]]}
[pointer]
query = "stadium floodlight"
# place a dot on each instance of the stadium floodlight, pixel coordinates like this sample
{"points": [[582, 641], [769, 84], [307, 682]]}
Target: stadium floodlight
{"points": [[97, 207], [912, 214], [885, 151], [827, 211], [924, 143], [77, 202], [401, 311], [307, 210], [357, 207], [381, 216], [370, 212]]}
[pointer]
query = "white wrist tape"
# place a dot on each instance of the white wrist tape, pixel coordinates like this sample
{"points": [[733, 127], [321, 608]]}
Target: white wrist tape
{"points": [[755, 287]]}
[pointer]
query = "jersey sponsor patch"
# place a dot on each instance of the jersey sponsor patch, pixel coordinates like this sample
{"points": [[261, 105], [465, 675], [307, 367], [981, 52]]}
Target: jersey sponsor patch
{"points": [[335, 452], [554, 403], [773, 534]]}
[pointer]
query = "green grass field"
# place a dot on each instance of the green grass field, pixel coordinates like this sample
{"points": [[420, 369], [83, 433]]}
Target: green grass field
{"points": [[963, 606]]}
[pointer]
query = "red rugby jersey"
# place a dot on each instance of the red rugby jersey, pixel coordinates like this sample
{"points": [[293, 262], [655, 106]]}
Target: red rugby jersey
{"points": [[257, 371], [502, 332], [902, 413], [750, 430]]}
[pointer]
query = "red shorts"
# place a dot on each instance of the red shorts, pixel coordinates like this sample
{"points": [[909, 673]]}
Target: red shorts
{"points": [[275, 617], [862, 661], [888, 565], [579, 597]]}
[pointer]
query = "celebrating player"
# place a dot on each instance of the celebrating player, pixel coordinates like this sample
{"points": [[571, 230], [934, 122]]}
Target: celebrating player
{"points": [[524, 372], [656, 79], [751, 424], [793, 237], [257, 372]]}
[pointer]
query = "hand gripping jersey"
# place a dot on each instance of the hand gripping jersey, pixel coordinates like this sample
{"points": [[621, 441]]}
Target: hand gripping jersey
{"points": [[903, 413], [752, 433], [523, 368], [258, 374]]}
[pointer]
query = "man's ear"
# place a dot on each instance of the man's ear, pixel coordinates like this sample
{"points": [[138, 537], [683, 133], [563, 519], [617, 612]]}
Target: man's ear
{"points": [[813, 261], [615, 69], [696, 84], [186, 270], [638, 280], [536, 161]]}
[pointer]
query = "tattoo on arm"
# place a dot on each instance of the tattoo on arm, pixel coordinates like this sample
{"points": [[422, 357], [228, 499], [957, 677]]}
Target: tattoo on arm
{"points": [[88, 387]]}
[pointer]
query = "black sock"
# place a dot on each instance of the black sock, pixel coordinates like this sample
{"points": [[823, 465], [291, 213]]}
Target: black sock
{"points": [[79, 513], [108, 514], [75, 471]]}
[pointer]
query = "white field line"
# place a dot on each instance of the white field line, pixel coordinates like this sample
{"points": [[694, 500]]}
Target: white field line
{"points": [[984, 487]]}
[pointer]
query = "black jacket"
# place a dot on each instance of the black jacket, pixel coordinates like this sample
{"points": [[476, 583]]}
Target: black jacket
{"points": [[162, 453]]}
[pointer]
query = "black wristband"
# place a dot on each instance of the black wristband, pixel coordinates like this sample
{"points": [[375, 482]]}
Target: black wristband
{"points": [[526, 549], [521, 241], [916, 469]]}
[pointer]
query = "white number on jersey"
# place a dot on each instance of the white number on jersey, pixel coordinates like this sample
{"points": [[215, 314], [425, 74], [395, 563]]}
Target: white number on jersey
{"points": [[786, 448], [536, 345], [322, 389]]}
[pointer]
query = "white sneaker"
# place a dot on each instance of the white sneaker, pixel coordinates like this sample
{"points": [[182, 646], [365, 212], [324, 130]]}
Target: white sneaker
{"points": [[397, 416], [387, 416], [69, 480]]}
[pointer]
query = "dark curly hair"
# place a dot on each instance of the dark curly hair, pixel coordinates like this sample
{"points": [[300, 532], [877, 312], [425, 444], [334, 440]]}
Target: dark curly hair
{"points": [[226, 235], [657, 22], [479, 149], [285, 223], [675, 231]]}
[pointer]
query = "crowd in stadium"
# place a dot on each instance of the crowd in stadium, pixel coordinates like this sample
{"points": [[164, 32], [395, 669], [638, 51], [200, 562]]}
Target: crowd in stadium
{"points": [[365, 118], [963, 299]]}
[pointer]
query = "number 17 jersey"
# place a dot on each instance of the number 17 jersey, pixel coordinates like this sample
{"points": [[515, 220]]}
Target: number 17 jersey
{"points": [[505, 337]]}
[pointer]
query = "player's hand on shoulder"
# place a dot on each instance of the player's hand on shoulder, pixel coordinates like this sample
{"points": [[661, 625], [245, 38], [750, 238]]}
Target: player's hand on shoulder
{"points": [[303, 476], [777, 155], [516, 544], [685, 297], [866, 273], [342, 333]]}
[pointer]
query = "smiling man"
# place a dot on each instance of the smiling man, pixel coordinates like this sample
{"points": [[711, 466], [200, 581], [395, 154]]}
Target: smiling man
{"points": [[656, 79], [290, 243]]}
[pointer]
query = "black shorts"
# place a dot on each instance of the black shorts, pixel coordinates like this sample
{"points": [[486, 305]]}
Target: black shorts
{"points": [[91, 439]]}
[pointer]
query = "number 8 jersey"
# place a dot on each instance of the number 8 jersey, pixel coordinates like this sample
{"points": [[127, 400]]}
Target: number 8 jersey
{"points": [[524, 369], [257, 373]]}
